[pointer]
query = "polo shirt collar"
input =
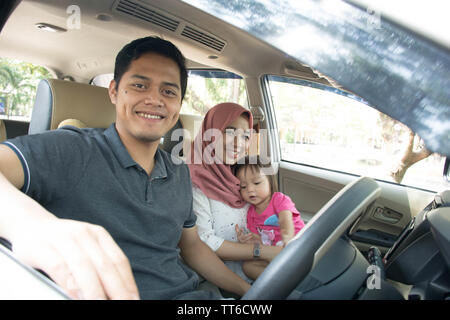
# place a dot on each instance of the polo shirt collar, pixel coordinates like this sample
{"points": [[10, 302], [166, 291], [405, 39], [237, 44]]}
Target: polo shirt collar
{"points": [[159, 170], [118, 148]]}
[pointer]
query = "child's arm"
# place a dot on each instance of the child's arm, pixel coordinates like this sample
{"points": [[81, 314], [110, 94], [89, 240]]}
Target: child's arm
{"points": [[286, 225]]}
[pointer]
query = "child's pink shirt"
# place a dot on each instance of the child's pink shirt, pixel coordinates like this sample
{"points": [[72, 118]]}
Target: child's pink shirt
{"points": [[268, 220]]}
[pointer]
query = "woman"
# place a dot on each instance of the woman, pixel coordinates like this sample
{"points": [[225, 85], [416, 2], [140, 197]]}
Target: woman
{"points": [[223, 139]]}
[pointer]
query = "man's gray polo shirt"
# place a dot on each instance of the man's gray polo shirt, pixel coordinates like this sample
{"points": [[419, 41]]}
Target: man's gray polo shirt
{"points": [[88, 175]]}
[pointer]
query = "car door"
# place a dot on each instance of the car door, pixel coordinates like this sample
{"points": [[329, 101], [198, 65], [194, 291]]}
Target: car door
{"points": [[325, 138]]}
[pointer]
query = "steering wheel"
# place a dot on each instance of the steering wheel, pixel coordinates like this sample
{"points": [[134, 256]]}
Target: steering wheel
{"points": [[302, 253]]}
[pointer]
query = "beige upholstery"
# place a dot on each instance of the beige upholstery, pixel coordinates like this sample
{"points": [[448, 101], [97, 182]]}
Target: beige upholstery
{"points": [[59, 100], [184, 130], [72, 122], [191, 124], [2, 131]]}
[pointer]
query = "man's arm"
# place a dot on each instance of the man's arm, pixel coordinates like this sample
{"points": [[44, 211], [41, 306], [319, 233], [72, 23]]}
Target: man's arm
{"points": [[82, 258], [203, 260]]}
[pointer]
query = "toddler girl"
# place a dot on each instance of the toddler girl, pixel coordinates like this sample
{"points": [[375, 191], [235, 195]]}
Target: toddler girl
{"points": [[272, 217]]}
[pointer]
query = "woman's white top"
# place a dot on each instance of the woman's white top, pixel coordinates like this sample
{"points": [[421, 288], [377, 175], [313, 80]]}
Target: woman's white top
{"points": [[216, 223]]}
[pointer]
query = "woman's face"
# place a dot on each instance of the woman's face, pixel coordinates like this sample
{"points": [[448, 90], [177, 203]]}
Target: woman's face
{"points": [[235, 141]]}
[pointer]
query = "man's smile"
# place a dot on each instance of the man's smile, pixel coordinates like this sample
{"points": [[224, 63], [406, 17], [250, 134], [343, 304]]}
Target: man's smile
{"points": [[152, 116]]}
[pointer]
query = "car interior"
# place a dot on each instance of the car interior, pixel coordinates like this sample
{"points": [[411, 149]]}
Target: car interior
{"points": [[2, 131], [353, 223], [60, 102]]}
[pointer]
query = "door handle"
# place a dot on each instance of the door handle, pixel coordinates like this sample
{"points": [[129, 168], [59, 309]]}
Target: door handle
{"points": [[387, 215]]}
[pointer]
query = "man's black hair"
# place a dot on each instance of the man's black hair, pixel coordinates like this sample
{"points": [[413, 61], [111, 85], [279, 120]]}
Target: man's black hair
{"points": [[138, 47]]}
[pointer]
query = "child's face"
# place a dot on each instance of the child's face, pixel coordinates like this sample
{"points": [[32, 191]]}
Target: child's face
{"points": [[255, 187]]}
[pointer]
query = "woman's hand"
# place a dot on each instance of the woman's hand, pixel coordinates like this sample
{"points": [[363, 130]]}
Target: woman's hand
{"points": [[244, 237]]}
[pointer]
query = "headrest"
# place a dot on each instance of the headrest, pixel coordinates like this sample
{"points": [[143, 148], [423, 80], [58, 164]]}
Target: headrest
{"points": [[58, 100], [2, 131], [190, 124], [442, 199], [72, 122]]}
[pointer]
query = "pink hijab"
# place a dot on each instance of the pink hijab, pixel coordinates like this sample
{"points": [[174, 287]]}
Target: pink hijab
{"points": [[217, 181]]}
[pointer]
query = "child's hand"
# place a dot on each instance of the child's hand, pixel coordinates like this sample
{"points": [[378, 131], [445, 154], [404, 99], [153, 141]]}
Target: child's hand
{"points": [[285, 239], [246, 237], [240, 233], [286, 226]]}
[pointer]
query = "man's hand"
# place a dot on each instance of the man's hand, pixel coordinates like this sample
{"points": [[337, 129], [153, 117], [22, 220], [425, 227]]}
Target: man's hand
{"points": [[81, 258]]}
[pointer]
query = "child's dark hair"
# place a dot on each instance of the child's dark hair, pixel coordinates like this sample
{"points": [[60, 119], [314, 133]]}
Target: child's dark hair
{"points": [[138, 47], [256, 164]]}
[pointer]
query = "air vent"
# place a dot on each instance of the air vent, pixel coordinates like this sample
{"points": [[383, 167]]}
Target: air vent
{"points": [[144, 13], [203, 38]]}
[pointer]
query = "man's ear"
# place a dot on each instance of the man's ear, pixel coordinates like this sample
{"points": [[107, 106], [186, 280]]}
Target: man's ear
{"points": [[112, 92]]}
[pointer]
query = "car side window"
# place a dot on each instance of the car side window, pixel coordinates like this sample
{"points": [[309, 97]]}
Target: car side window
{"points": [[18, 84], [206, 88], [325, 127]]}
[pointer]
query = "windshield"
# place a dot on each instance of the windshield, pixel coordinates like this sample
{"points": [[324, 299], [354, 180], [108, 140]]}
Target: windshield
{"points": [[399, 73]]}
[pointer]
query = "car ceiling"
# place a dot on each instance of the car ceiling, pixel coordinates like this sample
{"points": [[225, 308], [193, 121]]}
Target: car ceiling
{"points": [[91, 50]]}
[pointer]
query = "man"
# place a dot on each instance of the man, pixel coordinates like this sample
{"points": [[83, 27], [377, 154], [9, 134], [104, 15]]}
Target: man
{"points": [[103, 212]]}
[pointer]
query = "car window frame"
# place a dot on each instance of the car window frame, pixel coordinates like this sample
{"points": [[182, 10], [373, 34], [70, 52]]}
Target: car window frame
{"points": [[274, 137], [216, 73], [348, 34]]}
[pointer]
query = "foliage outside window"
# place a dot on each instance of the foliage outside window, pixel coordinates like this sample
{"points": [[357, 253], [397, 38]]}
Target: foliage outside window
{"points": [[207, 88], [324, 129], [18, 83]]}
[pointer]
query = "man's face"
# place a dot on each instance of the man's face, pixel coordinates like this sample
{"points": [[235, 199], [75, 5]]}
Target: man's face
{"points": [[148, 98]]}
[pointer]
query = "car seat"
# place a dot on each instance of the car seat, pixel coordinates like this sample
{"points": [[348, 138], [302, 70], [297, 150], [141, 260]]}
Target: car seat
{"points": [[2, 131], [59, 100], [178, 139]]}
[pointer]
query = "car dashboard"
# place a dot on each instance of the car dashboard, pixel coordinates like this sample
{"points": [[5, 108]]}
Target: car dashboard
{"points": [[419, 260], [421, 255]]}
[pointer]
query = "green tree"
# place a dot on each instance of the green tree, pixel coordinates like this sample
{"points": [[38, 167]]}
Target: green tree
{"points": [[412, 147], [18, 83], [203, 94]]}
